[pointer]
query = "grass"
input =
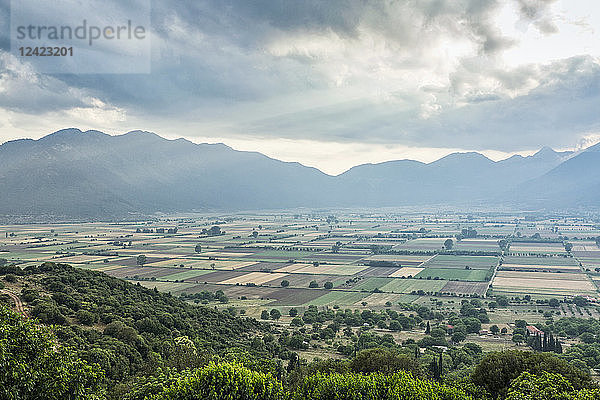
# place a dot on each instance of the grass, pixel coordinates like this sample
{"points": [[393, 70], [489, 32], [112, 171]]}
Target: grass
{"points": [[451, 261], [338, 297]]}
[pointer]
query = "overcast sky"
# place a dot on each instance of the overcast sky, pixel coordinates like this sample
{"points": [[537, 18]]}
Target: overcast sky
{"points": [[333, 84]]}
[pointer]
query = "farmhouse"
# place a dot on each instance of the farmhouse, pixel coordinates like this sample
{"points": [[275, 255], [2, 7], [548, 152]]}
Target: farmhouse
{"points": [[533, 331]]}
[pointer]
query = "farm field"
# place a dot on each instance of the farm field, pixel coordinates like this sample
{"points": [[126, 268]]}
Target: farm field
{"points": [[338, 258], [543, 283]]}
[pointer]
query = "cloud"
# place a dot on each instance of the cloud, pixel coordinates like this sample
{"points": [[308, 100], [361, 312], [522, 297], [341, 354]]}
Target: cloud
{"points": [[539, 13], [23, 89], [430, 73]]}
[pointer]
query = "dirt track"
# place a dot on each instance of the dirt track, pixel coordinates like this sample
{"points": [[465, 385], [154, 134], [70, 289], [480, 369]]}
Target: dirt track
{"points": [[17, 300]]}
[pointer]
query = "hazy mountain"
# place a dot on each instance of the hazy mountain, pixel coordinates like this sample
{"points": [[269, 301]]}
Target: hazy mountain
{"points": [[458, 178], [76, 173], [573, 183], [90, 173]]}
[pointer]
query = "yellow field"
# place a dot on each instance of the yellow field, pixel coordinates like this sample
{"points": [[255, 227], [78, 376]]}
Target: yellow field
{"points": [[379, 299], [515, 248], [406, 271], [81, 259], [550, 276], [225, 254], [323, 269], [546, 281], [255, 277], [533, 266]]}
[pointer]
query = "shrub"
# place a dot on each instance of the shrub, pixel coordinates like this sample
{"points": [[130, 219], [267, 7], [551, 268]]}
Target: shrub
{"points": [[226, 381], [377, 386], [384, 360], [496, 371], [34, 367]]}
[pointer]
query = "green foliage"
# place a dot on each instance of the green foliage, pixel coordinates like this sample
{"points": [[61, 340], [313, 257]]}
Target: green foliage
{"points": [[32, 366], [547, 386], [384, 360], [224, 381], [135, 329], [496, 371], [398, 386]]}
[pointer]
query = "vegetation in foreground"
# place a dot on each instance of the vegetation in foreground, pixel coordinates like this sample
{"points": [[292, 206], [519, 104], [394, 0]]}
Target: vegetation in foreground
{"points": [[96, 337]]}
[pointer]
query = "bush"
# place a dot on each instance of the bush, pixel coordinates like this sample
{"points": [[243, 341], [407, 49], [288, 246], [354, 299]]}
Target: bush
{"points": [[227, 381], [34, 368], [85, 317], [496, 371], [48, 313], [377, 386], [545, 386], [384, 360]]}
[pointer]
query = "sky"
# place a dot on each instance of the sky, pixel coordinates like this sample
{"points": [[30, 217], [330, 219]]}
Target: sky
{"points": [[333, 84]]}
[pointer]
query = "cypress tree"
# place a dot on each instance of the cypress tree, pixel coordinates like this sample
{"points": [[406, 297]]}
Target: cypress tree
{"points": [[545, 344], [428, 329]]}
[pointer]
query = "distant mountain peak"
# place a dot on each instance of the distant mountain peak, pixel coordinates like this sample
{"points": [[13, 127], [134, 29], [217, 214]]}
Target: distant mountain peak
{"points": [[545, 151]]}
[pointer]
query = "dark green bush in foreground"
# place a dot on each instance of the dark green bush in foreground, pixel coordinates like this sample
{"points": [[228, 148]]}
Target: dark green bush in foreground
{"points": [[224, 382], [377, 386], [34, 366]]}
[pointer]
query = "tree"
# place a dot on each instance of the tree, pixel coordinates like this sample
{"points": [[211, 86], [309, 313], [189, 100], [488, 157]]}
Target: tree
{"points": [[448, 244], [518, 338], [293, 312], [313, 284], [198, 248], [328, 285], [458, 337], [336, 247], [497, 369], [141, 259], [547, 386], [427, 328], [568, 247], [34, 367], [520, 323], [494, 329], [384, 360], [275, 314], [553, 302], [264, 314], [223, 381], [285, 283], [502, 301], [580, 301]]}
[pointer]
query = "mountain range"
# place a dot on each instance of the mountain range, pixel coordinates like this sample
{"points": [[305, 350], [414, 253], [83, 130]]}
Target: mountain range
{"points": [[91, 174]]}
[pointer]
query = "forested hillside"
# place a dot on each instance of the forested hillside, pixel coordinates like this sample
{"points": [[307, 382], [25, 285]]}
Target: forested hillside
{"points": [[90, 336]]}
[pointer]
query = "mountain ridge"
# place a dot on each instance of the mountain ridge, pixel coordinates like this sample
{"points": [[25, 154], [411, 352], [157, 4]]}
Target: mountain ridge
{"points": [[91, 173]]}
